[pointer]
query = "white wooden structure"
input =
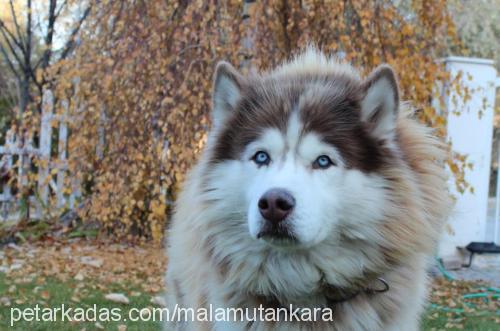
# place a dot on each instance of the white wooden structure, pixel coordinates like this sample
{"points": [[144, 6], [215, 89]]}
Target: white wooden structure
{"points": [[471, 134], [19, 155]]}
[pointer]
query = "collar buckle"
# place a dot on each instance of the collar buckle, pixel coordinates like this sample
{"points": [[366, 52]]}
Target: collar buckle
{"points": [[385, 287]]}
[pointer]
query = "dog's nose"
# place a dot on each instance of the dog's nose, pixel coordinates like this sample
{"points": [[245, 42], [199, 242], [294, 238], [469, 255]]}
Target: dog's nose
{"points": [[276, 204]]}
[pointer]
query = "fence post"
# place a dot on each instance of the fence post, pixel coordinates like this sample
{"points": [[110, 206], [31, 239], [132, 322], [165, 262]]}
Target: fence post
{"points": [[26, 146], [6, 167], [75, 182], [9, 147], [45, 144], [61, 149], [24, 171]]}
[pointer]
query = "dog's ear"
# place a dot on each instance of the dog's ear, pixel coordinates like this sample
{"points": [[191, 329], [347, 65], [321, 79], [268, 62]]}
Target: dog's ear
{"points": [[380, 104], [226, 91]]}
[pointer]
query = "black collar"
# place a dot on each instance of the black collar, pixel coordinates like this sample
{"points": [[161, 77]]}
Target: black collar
{"points": [[336, 295]]}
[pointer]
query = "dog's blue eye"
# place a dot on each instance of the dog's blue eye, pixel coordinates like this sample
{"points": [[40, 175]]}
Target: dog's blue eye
{"points": [[261, 158], [322, 162]]}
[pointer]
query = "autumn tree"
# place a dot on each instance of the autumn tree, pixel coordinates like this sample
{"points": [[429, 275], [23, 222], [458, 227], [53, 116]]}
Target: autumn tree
{"points": [[139, 83]]}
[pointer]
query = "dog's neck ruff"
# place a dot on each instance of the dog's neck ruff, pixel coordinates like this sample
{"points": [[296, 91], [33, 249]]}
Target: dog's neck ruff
{"points": [[334, 295]]}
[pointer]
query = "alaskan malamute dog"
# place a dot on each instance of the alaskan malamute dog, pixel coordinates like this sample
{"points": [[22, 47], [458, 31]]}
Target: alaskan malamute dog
{"points": [[316, 190]]}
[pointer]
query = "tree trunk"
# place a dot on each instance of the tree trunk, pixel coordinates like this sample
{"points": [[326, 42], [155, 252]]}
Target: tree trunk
{"points": [[248, 41], [24, 93]]}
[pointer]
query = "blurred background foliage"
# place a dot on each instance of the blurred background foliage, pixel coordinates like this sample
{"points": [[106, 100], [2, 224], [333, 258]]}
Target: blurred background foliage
{"points": [[135, 78]]}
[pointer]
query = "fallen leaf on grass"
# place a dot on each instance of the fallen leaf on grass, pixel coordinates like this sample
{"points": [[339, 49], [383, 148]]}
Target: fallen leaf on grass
{"points": [[88, 260], [79, 277], [5, 301], [14, 246], [117, 297], [40, 281], [45, 295], [158, 300]]}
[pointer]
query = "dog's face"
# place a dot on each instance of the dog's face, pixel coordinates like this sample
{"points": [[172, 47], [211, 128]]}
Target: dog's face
{"points": [[300, 188], [290, 199], [298, 155]]}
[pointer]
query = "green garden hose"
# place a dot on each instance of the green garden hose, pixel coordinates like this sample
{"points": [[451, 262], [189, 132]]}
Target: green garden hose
{"points": [[487, 294]]}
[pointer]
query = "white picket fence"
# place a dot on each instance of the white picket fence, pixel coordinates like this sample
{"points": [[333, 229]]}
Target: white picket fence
{"points": [[19, 156]]}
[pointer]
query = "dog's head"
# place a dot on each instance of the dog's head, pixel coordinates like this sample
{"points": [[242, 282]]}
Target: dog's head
{"points": [[297, 152]]}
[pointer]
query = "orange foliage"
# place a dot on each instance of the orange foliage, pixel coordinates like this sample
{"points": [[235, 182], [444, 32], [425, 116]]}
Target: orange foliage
{"points": [[140, 82]]}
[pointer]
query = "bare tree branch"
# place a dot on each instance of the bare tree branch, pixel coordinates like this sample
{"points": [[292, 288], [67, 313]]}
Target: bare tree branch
{"points": [[31, 72], [25, 78], [9, 62], [45, 59], [27, 55], [16, 24], [10, 35], [11, 47], [61, 7], [70, 43]]}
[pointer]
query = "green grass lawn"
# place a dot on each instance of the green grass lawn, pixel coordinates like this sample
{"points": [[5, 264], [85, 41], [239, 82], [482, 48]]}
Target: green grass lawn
{"points": [[443, 321], [50, 292], [54, 293]]}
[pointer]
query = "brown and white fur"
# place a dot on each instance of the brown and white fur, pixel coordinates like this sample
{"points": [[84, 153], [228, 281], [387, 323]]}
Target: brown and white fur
{"points": [[375, 212]]}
